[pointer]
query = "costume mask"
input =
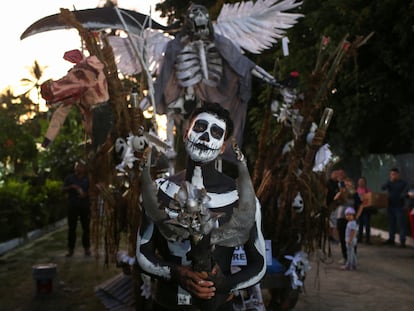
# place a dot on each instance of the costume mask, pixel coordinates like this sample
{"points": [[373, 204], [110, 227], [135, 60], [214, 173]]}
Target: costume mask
{"points": [[198, 23], [205, 137]]}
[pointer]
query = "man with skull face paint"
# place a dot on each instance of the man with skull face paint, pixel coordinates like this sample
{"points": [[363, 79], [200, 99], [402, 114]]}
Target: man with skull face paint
{"points": [[178, 286]]}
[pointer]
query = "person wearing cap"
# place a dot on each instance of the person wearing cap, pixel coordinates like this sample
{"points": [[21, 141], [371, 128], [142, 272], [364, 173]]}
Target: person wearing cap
{"points": [[351, 239]]}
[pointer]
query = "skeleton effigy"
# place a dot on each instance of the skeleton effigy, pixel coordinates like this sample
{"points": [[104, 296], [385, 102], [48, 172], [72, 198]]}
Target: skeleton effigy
{"points": [[205, 60]]}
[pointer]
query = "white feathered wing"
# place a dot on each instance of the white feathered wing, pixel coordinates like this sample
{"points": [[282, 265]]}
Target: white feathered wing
{"points": [[251, 26], [256, 26], [151, 45]]}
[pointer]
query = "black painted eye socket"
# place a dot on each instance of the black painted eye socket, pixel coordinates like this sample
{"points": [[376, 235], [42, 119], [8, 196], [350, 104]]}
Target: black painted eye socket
{"points": [[200, 126], [216, 131]]}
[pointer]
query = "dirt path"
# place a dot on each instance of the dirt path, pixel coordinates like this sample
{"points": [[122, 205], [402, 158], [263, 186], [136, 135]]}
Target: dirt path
{"points": [[384, 281]]}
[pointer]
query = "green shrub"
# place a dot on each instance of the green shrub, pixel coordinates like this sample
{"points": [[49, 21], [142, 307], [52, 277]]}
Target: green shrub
{"points": [[25, 206], [14, 213]]}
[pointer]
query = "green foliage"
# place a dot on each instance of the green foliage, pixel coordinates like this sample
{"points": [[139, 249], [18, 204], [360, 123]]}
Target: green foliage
{"points": [[57, 160], [373, 98], [17, 145], [14, 202], [26, 206], [373, 90]]}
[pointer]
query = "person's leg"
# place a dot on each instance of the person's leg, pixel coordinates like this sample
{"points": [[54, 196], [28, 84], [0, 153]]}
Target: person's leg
{"points": [[85, 222], [391, 224], [411, 218], [399, 215], [341, 231], [72, 223], [352, 255], [368, 227], [361, 226]]}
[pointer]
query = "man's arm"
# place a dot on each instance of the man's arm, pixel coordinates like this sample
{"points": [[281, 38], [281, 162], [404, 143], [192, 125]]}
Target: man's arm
{"points": [[194, 282], [255, 268], [146, 252], [255, 250]]}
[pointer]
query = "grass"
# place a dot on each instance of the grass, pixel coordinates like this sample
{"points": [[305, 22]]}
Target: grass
{"points": [[74, 283]]}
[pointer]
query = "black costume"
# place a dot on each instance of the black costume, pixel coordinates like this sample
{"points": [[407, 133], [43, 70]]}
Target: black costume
{"points": [[224, 197], [78, 207]]}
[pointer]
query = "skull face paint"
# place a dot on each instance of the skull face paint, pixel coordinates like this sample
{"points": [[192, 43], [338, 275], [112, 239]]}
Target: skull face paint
{"points": [[205, 137]]}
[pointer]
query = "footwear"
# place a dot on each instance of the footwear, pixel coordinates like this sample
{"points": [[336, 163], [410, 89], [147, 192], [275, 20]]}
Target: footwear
{"points": [[70, 253], [342, 261], [389, 242], [345, 267], [402, 244], [87, 252]]}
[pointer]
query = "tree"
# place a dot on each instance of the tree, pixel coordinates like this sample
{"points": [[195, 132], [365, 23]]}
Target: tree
{"points": [[17, 144], [35, 81], [373, 93]]}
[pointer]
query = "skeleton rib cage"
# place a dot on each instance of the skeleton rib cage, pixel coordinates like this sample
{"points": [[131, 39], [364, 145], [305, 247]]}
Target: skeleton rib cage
{"points": [[199, 61]]}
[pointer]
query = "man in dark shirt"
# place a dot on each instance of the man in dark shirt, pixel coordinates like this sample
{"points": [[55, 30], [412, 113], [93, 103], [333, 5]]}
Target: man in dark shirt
{"points": [[76, 185], [397, 190]]}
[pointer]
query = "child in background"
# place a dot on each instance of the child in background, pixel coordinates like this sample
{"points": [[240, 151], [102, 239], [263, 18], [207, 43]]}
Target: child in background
{"points": [[351, 239]]}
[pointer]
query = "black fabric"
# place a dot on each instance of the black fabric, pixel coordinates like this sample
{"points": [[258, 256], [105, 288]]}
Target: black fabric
{"points": [[78, 208], [166, 292]]}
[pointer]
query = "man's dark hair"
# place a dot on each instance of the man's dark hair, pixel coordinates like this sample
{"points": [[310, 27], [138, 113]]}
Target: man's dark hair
{"points": [[219, 111], [394, 169]]}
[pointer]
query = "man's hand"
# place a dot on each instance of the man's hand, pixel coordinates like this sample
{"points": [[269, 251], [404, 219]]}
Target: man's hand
{"points": [[195, 282]]}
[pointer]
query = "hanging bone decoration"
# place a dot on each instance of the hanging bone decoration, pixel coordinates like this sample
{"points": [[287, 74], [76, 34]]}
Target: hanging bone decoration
{"points": [[190, 212], [85, 87], [126, 151]]}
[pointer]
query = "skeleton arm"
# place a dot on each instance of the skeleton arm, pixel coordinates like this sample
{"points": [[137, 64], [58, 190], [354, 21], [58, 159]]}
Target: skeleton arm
{"points": [[260, 73]]}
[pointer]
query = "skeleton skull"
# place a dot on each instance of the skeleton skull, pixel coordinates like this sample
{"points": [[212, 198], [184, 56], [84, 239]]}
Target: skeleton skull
{"points": [[205, 137], [198, 23], [297, 204]]}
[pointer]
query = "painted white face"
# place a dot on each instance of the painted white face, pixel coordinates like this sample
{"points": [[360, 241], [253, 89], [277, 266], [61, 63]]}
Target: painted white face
{"points": [[205, 138]]}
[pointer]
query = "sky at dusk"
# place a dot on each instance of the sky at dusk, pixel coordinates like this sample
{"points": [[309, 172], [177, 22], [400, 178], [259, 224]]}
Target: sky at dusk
{"points": [[17, 56]]}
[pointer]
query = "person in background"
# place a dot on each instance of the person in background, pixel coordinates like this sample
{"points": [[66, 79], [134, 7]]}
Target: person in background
{"points": [[76, 185], [365, 215], [397, 191], [351, 239], [340, 199], [348, 197]]}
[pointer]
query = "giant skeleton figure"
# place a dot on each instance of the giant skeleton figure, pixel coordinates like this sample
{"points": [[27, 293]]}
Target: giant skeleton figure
{"points": [[205, 62], [197, 218], [200, 65]]}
